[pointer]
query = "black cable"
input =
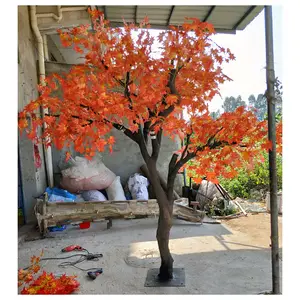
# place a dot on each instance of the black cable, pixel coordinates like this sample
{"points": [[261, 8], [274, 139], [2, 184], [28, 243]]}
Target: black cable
{"points": [[82, 258]]}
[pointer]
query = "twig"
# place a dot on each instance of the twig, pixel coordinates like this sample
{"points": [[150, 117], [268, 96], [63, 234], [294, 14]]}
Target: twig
{"points": [[233, 216]]}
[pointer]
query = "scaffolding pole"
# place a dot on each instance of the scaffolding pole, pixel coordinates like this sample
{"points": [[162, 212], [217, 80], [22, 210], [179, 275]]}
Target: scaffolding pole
{"points": [[270, 76]]}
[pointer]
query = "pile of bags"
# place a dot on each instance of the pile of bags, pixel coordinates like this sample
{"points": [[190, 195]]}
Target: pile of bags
{"points": [[85, 175], [91, 180]]}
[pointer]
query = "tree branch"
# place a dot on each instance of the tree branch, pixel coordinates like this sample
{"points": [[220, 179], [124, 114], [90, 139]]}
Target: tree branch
{"points": [[126, 91], [89, 121], [172, 163], [142, 144], [211, 143], [155, 144], [146, 131], [126, 131], [120, 127], [172, 175], [173, 91], [159, 135], [187, 145]]}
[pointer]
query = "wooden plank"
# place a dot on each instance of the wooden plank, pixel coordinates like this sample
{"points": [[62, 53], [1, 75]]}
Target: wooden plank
{"points": [[240, 207], [233, 216]]}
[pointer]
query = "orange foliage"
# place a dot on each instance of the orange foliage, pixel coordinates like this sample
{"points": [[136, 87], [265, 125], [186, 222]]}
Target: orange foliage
{"points": [[124, 78], [45, 283]]}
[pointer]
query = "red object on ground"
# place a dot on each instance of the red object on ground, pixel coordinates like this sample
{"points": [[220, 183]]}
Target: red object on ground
{"points": [[84, 225], [72, 248]]}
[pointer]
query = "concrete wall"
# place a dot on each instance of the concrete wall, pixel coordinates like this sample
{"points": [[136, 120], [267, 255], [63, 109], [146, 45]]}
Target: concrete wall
{"points": [[33, 179], [54, 50], [125, 159], [69, 55]]}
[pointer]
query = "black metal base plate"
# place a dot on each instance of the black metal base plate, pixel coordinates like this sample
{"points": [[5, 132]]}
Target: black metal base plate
{"points": [[177, 280]]}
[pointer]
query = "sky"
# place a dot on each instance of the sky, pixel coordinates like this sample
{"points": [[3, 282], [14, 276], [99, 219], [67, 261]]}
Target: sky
{"points": [[247, 71]]}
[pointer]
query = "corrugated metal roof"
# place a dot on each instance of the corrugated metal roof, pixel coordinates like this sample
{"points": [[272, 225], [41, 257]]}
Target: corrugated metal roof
{"points": [[226, 19]]}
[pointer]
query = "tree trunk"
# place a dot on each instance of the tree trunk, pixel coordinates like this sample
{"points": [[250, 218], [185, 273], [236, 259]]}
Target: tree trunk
{"points": [[163, 236], [164, 224]]}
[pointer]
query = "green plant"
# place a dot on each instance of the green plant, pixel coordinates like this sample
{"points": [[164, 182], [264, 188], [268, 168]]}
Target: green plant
{"points": [[230, 211], [258, 179]]}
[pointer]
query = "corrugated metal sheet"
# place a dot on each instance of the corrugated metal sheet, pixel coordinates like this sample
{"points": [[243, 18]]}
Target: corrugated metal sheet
{"points": [[224, 18], [180, 12]]}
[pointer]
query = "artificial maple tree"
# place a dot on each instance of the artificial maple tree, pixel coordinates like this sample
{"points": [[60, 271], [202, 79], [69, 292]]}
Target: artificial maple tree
{"points": [[128, 84]]}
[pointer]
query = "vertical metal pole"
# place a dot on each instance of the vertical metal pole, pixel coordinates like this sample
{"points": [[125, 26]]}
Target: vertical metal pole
{"points": [[184, 170], [270, 76], [184, 176]]}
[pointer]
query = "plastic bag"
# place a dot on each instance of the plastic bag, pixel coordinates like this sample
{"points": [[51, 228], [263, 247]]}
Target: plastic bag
{"points": [[138, 187], [79, 198], [206, 193], [86, 175], [207, 189], [59, 195], [115, 190], [93, 195]]}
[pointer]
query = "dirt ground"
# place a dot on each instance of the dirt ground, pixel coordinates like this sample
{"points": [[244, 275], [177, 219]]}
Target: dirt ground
{"points": [[229, 258], [256, 227]]}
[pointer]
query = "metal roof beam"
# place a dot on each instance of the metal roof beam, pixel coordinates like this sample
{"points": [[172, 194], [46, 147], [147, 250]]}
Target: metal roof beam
{"points": [[104, 11], [166, 27], [153, 26], [135, 14], [209, 13], [248, 12], [170, 15]]}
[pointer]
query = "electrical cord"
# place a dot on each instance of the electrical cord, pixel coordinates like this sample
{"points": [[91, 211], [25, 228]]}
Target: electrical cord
{"points": [[82, 257]]}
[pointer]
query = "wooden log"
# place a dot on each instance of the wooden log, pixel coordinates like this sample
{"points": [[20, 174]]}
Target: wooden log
{"points": [[68, 212], [163, 183]]}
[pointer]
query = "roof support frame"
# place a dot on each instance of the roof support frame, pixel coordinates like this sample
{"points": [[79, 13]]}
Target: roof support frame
{"points": [[248, 12], [166, 27], [170, 15], [164, 21], [104, 11], [135, 14], [209, 13]]}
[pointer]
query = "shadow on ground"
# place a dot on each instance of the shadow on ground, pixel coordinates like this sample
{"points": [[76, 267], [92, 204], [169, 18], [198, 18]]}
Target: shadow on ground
{"points": [[215, 260], [221, 272], [181, 229]]}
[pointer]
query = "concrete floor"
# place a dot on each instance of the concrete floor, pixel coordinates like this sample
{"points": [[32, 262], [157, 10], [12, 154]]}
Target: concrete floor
{"points": [[215, 260]]}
